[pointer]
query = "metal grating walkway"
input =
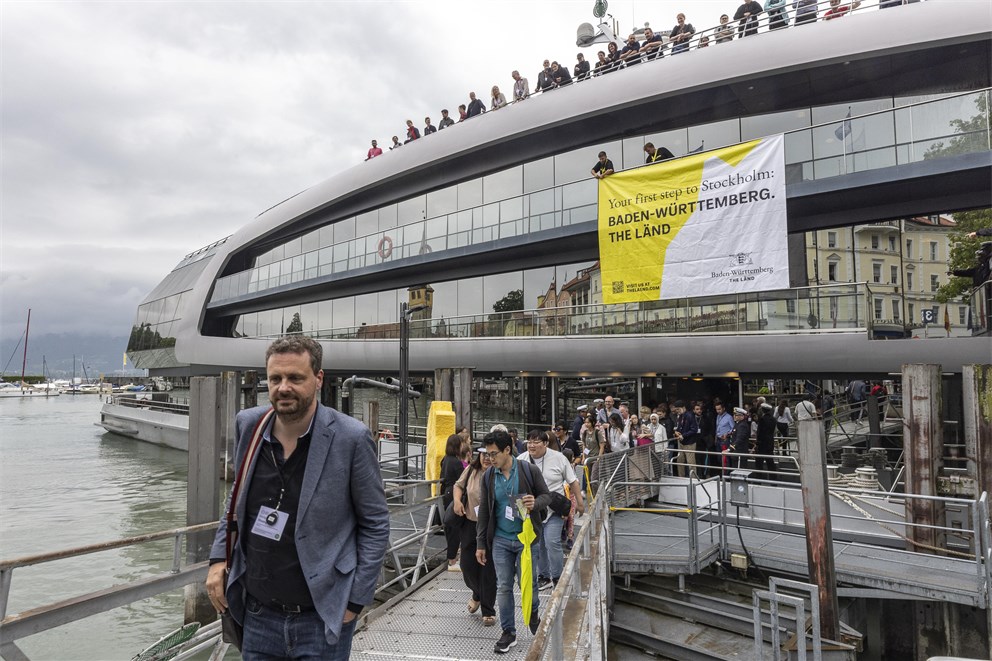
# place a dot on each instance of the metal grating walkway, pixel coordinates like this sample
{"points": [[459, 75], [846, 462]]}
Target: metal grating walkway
{"points": [[433, 624]]}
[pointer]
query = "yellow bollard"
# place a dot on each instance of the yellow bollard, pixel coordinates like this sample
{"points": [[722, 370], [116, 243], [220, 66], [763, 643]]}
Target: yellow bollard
{"points": [[440, 425]]}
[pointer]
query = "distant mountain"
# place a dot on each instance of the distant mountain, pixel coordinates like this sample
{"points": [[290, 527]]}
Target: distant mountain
{"points": [[100, 354]]}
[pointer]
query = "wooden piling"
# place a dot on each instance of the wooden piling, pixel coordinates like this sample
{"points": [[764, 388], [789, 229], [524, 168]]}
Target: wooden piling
{"points": [[923, 441], [819, 537], [977, 391], [207, 405]]}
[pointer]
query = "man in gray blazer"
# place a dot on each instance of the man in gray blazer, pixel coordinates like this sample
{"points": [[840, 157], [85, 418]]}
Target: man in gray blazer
{"points": [[311, 517]]}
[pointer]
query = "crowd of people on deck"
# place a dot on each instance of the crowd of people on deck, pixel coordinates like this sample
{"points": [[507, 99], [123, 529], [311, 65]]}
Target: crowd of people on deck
{"points": [[654, 45], [488, 489]]}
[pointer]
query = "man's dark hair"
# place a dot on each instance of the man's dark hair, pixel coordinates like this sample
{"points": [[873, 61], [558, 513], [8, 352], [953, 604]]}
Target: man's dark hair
{"points": [[649, 144], [533, 434], [512, 431], [297, 344], [500, 439], [602, 153], [679, 404]]}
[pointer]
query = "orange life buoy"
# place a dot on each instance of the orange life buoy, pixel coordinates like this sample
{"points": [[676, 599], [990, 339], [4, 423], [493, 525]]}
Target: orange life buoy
{"points": [[385, 247]]}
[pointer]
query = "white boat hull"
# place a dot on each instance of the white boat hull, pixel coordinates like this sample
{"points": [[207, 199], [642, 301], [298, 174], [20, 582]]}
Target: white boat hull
{"points": [[146, 424], [28, 393]]}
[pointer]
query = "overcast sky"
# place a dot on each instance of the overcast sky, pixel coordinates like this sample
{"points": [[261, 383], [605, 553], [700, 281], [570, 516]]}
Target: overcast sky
{"points": [[136, 132]]}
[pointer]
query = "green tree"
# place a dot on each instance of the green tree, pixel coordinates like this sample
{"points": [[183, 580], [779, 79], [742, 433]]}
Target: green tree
{"points": [[970, 135], [295, 326], [963, 252]]}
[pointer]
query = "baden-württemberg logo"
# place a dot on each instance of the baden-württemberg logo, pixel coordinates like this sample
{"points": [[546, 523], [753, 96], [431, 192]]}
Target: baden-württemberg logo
{"points": [[740, 259]]}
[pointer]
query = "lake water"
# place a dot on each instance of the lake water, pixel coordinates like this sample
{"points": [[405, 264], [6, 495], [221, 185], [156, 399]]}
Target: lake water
{"points": [[65, 483]]}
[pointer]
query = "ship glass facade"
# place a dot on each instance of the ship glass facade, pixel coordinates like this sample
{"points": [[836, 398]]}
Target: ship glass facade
{"points": [[556, 191]]}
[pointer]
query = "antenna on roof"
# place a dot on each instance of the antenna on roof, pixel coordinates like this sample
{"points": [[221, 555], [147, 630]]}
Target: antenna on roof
{"points": [[586, 35]]}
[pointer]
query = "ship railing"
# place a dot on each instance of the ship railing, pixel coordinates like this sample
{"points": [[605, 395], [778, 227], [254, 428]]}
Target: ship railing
{"points": [[898, 135], [165, 404], [412, 526], [830, 308]]}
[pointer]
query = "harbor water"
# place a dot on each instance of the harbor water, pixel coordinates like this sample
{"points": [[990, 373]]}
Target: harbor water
{"points": [[64, 483]]}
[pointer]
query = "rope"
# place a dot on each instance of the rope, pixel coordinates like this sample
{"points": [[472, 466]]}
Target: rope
{"points": [[844, 497]]}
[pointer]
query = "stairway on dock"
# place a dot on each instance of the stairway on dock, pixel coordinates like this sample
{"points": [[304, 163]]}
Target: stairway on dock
{"points": [[710, 619]]}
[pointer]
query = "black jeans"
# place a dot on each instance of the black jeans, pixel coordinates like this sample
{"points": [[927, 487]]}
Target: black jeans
{"points": [[480, 579]]}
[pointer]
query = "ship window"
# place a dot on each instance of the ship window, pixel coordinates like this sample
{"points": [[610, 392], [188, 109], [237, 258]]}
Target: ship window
{"points": [[512, 209], [576, 164], [409, 211], [711, 136], [388, 308], [760, 126], [470, 297], [675, 141], [344, 230], [536, 284], [445, 300], [294, 247], [441, 202], [325, 320], [579, 194], [498, 287], [367, 223], [469, 194], [311, 241], [344, 312], [539, 175], [502, 185], [934, 120], [326, 236], [366, 309]]}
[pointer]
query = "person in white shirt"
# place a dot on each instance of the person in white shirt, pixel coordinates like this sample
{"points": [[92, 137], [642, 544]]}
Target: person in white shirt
{"points": [[805, 410], [557, 471]]}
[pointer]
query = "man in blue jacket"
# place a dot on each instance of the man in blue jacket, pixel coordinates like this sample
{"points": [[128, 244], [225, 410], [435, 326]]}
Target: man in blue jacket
{"points": [[311, 517]]}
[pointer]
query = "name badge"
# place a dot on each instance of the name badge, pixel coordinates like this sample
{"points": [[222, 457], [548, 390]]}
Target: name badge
{"points": [[508, 513], [270, 523]]}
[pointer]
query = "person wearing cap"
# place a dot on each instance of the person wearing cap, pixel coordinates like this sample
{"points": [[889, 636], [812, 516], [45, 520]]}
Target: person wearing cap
{"points": [[580, 416], [740, 439], [480, 579], [765, 446]]}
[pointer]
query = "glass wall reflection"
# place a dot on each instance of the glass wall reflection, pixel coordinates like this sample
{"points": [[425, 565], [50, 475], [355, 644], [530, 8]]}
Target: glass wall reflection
{"points": [[557, 191]]}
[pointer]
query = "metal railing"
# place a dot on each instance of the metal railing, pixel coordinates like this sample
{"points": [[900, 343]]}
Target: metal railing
{"points": [[847, 306], [416, 534], [165, 405]]}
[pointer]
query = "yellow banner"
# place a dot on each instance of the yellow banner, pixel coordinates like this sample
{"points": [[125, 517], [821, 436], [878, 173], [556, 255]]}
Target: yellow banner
{"points": [[698, 204]]}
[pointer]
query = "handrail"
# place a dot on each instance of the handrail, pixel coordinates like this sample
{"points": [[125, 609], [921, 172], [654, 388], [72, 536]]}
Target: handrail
{"points": [[55, 614], [28, 560], [838, 290]]}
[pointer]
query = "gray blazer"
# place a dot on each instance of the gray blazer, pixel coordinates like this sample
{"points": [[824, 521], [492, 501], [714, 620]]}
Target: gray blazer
{"points": [[342, 527]]}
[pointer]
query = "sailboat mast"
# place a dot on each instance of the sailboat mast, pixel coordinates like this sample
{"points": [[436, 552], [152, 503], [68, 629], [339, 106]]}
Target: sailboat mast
{"points": [[24, 362]]}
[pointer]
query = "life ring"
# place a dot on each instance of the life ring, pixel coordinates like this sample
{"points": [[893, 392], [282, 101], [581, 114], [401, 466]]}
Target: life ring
{"points": [[385, 247]]}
